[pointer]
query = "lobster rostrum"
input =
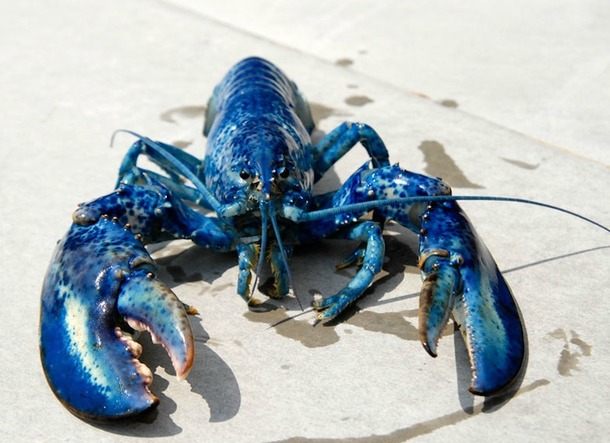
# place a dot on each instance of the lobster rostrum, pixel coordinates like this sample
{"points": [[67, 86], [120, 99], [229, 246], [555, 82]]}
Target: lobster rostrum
{"points": [[257, 178]]}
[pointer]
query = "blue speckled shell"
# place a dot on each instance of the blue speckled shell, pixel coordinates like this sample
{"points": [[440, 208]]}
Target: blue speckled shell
{"points": [[254, 125]]}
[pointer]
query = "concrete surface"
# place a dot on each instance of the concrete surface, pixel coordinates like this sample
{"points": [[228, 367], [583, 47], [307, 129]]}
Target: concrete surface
{"points": [[499, 99]]}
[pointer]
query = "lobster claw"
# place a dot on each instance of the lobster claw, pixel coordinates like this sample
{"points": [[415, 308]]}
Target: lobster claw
{"points": [[461, 278], [100, 279]]}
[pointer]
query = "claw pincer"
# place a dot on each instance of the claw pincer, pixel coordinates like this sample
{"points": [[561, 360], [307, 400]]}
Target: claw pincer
{"points": [[101, 285], [461, 278]]}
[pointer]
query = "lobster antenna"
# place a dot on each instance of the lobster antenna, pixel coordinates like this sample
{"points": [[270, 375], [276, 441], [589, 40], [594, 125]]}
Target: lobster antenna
{"points": [[264, 213], [186, 172], [278, 238], [376, 204]]}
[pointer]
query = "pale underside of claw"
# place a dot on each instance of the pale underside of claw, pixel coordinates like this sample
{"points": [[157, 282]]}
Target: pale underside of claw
{"points": [[148, 304], [99, 281]]}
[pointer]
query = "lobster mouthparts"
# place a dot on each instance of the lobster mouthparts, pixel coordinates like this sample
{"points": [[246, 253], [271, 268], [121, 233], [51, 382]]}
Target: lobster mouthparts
{"points": [[100, 280]]}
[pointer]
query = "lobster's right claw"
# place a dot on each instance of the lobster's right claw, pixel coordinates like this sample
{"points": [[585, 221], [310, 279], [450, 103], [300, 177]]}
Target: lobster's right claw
{"points": [[461, 278], [101, 278]]}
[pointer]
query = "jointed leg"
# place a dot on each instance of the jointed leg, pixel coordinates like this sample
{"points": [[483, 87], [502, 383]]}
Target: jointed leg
{"points": [[129, 172], [279, 270], [248, 259], [343, 138], [372, 259]]}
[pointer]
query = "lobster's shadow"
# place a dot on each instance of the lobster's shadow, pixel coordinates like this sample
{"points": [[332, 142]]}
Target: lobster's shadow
{"points": [[210, 376]]}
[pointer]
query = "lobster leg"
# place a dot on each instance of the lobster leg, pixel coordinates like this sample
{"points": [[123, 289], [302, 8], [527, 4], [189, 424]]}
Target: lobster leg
{"points": [[128, 167], [279, 271], [341, 226], [130, 173], [343, 138], [248, 258], [371, 258]]}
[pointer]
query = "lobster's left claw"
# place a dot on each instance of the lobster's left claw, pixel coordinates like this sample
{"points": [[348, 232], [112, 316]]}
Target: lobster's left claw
{"points": [[461, 278], [101, 278]]}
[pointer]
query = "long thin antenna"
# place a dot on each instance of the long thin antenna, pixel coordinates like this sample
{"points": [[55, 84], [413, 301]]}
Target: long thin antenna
{"points": [[264, 208], [376, 204], [278, 238]]}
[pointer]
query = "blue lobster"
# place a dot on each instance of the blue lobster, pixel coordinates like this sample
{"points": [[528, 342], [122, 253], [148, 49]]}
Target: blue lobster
{"points": [[257, 176]]}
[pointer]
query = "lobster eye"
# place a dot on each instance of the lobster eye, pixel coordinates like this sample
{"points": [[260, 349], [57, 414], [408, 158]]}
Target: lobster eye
{"points": [[245, 175]]}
